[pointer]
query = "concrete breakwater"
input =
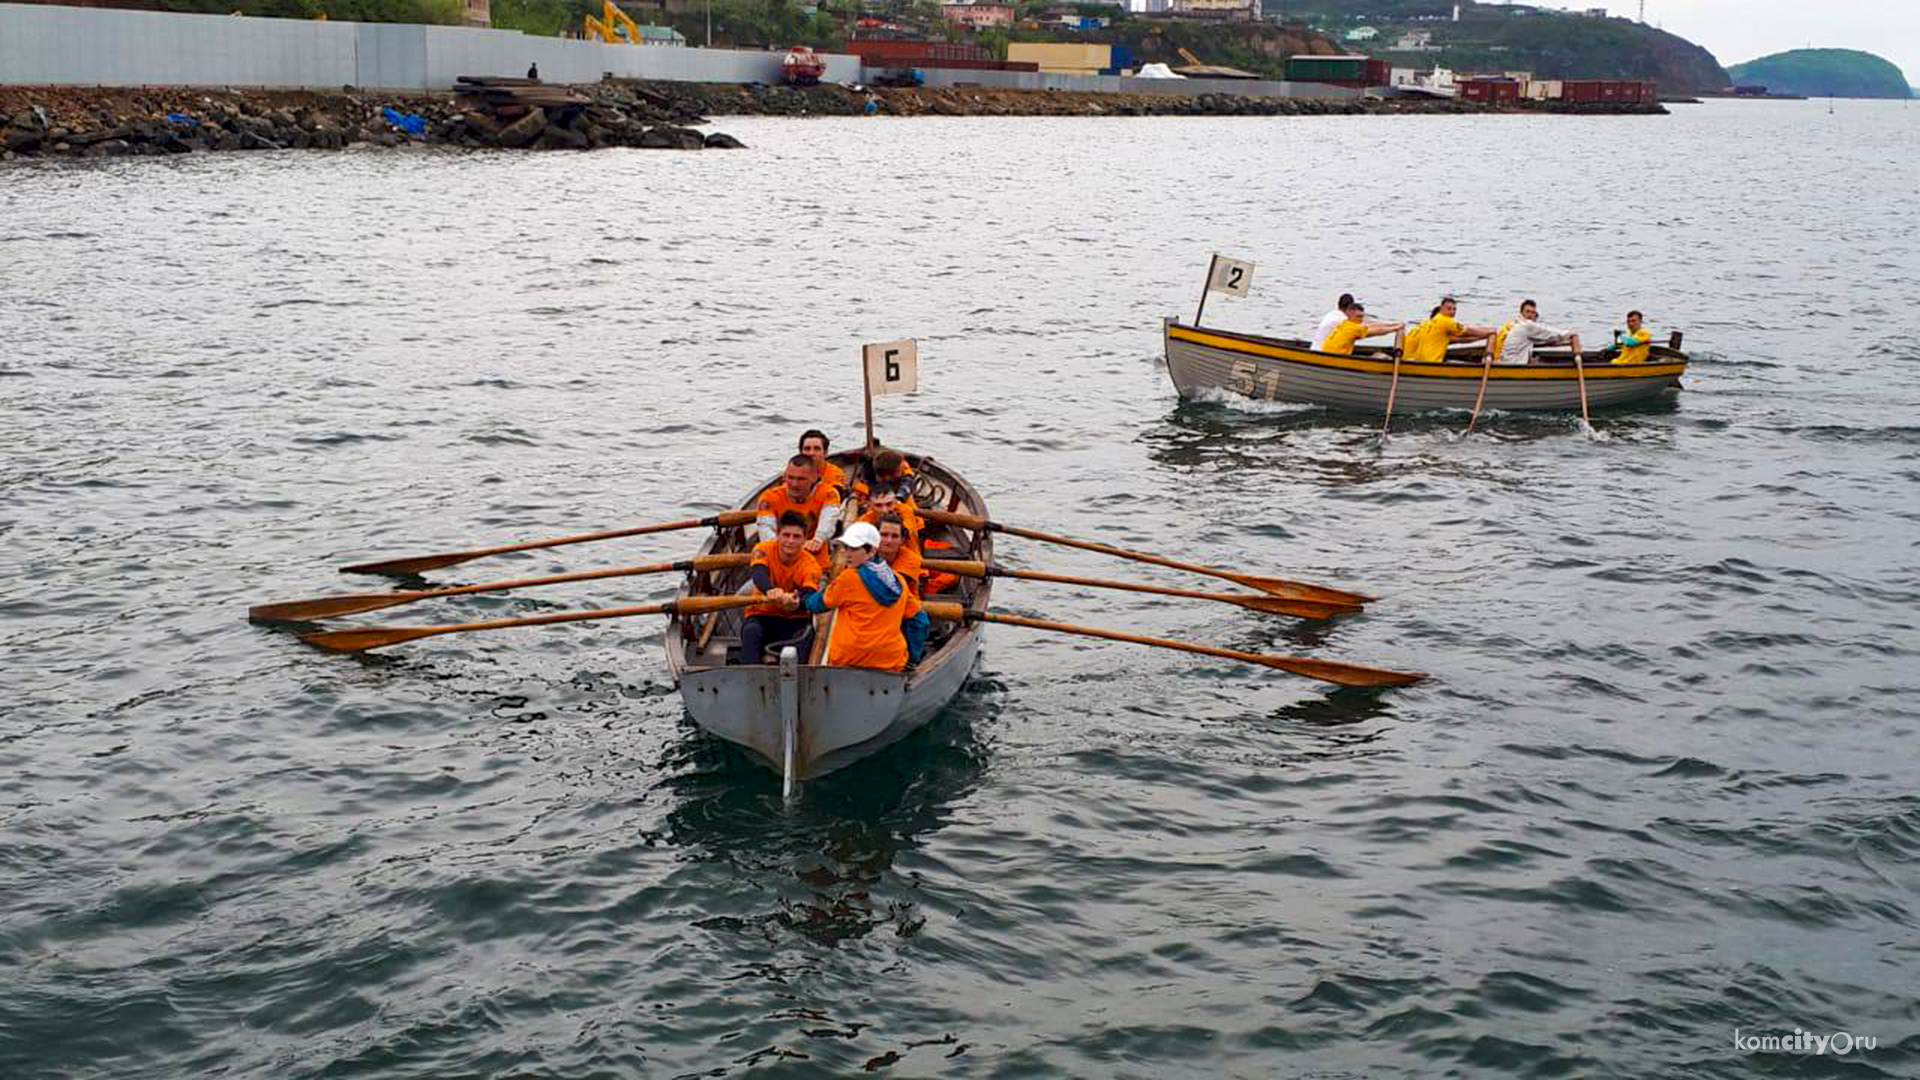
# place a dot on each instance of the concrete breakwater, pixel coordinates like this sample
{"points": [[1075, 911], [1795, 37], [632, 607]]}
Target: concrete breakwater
{"points": [[119, 121]]}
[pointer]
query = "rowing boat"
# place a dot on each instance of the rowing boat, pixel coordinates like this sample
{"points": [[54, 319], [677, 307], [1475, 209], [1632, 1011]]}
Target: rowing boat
{"points": [[1204, 360], [804, 720]]}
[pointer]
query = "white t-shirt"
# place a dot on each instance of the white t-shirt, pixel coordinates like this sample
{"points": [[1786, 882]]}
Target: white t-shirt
{"points": [[1523, 337], [1327, 322]]}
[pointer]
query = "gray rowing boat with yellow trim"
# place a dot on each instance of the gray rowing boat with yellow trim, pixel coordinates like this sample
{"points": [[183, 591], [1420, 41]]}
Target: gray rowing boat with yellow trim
{"points": [[1204, 360]]}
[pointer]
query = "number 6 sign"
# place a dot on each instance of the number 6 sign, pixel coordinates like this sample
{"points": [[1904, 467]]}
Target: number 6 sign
{"points": [[893, 367]]}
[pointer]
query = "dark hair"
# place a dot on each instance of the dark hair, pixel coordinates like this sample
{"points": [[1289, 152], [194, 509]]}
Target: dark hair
{"points": [[1631, 314], [1528, 303], [888, 462], [1346, 301], [815, 433], [891, 518], [793, 518], [1448, 300], [1356, 306], [1435, 311], [802, 459]]}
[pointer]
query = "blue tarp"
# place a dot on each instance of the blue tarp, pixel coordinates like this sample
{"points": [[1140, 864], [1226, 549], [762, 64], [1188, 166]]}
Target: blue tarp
{"points": [[407, 122]]}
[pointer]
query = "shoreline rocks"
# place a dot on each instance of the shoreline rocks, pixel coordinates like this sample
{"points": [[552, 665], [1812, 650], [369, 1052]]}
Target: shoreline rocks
{"points": [[92, 122]]}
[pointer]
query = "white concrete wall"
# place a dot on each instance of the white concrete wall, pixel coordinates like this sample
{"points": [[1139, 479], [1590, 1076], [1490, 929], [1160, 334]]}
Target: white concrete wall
{"points": [[102, 47]]}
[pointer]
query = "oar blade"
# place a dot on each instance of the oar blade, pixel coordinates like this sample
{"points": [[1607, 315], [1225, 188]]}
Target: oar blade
{"points": [[1295, 590], [327, 607], [419, 564], [1299, 609], [360, 640], [1335, 672]]}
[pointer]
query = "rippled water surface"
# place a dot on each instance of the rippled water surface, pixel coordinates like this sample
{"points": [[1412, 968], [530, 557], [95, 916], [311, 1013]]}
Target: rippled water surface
{"points": [[1661, 786]]}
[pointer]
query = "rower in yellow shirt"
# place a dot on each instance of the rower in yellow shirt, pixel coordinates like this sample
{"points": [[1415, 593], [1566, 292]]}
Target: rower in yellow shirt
{"points": [[1634, 343], [1342, 338], [1427, 343]]}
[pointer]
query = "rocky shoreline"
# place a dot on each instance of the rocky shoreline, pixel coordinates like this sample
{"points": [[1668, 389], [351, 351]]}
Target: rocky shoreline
{"points": [[67, 122]]}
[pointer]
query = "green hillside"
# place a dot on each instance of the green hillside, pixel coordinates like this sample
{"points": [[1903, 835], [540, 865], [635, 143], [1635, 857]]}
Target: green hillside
{"points": [[1551, 43], [1824, 73]]}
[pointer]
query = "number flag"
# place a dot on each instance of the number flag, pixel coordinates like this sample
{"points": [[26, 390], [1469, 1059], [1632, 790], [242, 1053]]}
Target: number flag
{"points": [[893, 367], [1230, 276]]}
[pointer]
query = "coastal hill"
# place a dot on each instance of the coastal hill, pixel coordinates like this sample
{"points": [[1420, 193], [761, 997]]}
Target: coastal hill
{"points": [[1551, 43], [1824, 73]]}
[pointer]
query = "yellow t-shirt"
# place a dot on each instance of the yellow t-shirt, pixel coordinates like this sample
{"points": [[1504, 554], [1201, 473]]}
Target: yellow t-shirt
{"points": [[1341, 339], [1500, 341], [1427, 343], [1634, 350]]}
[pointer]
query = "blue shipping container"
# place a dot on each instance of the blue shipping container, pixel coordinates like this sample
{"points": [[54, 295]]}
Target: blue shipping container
{"points": [[1120, 59]]}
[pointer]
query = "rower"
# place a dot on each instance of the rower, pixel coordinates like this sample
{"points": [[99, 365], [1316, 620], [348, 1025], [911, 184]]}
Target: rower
{"points": [[801, 491], [1330, 320], [884, 503], [1341, 339], [782, 570], [1634, 343], [898, 552], [892, 470], [1427, 343], [879, 623], [1517, 343], [813, 443]]}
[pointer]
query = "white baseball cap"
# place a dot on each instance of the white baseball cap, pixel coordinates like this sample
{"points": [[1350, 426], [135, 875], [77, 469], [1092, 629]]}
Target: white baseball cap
{"points": [[861, 534]]}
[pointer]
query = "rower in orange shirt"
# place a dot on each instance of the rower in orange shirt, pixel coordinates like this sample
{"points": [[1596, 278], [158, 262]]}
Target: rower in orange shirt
{"points": [[885, 501], [800, 491], [813, 443], [892, 470], [781, 569], [898, 553], [879, 623]]}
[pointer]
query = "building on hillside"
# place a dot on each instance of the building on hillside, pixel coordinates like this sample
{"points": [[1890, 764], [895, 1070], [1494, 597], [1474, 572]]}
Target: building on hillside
{"points": [[1150, 7], [977, 16], [1595, 13], [1416, 41], [1062, 58], [477, 13], [1363, 33], [1226, 10]]}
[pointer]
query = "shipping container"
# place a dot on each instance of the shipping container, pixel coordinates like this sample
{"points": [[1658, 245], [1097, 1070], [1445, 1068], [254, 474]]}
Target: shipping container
{"points": [[1120, 60], [1354, 71], [1066, 57], [1489, 91]]}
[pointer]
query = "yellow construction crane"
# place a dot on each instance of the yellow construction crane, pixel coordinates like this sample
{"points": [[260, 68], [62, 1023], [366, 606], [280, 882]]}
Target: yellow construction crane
{"points": [[613, 26]]}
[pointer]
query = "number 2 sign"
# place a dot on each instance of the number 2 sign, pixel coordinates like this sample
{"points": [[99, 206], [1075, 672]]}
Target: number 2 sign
{"points": [[893, 367], [1230, 276]]}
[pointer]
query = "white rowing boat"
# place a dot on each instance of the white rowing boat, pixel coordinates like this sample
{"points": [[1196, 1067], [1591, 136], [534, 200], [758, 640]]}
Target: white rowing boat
{"points": [[806, 720]]}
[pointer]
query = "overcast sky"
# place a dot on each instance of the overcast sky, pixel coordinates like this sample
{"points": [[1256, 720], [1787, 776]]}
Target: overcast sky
{"points": [[1736, 31]]}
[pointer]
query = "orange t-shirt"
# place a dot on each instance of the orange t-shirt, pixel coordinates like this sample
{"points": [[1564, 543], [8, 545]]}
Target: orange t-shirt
{"points": [[798, 576], [833, 475], [906, 565], [865, 634], [774, 502], [860, 486], [909, 520]]}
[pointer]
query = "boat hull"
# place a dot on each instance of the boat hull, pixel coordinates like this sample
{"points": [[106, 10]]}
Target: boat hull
{"points": [[1207, 361], [845, 714]]}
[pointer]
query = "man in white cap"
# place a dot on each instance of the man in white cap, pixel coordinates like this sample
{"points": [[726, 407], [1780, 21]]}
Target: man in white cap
{"points": [[878, 621]]}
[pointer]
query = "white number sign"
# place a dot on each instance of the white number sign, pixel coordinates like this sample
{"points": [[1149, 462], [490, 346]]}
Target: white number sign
{"points": [[1230, 276], [893, 367]]}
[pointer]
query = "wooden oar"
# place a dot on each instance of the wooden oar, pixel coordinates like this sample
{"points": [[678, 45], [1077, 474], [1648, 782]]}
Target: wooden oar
{"points": [[1295, 590], [418, 564], [362, 639], [1392, 389], [1486, 371], [1325, 670], [1272, 605], [1580, 367], [327, 607]]}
